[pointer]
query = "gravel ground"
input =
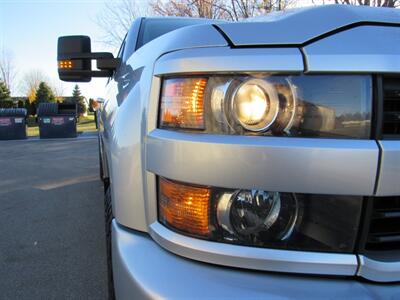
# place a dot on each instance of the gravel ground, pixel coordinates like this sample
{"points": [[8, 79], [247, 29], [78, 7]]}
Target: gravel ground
{"points": [[52, 243]]}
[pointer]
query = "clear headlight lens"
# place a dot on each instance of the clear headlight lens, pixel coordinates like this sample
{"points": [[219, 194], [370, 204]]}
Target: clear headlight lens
{"points": [[336, 106], [261, 218], [247, 213], [255, 105]]}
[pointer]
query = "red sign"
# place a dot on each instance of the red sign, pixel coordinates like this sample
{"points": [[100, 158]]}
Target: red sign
{"points": [[5, 121], [57, 120]]}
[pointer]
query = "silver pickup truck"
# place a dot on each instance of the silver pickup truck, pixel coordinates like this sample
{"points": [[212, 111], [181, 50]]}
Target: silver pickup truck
{"points": [[255, 160]]}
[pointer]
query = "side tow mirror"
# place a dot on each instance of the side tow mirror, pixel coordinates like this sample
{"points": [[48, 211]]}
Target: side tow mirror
{"points": [[75, 57]]}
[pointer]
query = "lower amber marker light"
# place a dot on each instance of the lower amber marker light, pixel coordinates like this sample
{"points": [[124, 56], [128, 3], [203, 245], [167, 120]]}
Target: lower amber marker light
{"points": [[184, 207]]}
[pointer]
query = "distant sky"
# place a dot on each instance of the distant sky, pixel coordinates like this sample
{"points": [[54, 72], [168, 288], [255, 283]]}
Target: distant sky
{"points": [[29, 30]]}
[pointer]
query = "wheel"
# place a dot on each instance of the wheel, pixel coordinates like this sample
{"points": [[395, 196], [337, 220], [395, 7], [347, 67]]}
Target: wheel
{"points": [[108, 216]]}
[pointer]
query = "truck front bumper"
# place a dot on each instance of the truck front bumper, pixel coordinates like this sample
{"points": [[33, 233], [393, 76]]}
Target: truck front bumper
{"points": [[144, 270]]}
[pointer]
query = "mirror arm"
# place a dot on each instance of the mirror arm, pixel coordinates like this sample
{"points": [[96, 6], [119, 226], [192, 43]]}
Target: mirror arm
{"points": [[108, 63], [102, 73], [105, 60]]}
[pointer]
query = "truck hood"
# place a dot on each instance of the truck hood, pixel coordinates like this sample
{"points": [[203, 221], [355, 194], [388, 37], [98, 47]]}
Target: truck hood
{"points": [[300, 26]]}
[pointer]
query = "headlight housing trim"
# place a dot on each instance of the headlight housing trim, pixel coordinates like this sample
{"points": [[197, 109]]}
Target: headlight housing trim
{"points": [[253, 258]]}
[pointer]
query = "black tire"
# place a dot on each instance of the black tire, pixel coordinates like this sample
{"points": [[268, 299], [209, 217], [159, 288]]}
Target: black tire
{"points": [[108, 217], [101, 171]]}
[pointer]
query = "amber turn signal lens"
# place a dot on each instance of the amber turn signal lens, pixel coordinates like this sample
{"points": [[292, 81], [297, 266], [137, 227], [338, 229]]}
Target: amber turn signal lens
{"points": [[182, 103], [65, 64], [184, 207]]}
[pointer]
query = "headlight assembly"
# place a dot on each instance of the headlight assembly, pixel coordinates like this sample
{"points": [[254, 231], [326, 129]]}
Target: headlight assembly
{"points": [[324, 223], [337, 106]]}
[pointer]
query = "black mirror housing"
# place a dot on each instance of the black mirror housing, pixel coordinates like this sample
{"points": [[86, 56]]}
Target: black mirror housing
{"points": [[75, 60], [68, 45]]}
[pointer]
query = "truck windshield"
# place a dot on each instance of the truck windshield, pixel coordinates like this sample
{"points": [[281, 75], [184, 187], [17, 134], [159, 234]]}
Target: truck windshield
{"points": [[153, 28]]}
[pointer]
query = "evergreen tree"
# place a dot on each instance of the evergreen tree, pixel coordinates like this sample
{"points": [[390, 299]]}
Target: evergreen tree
{"points": [[44, 94], [79, 100], [4, 91]]}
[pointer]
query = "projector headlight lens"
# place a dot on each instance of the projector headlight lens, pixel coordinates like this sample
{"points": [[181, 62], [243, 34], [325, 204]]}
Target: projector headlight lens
{"points": [[255, 214], [255, 105]]}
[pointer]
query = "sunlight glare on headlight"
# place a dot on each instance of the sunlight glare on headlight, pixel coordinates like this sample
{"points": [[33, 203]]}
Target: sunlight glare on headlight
{"points": [[252, 104], [255, 105]]}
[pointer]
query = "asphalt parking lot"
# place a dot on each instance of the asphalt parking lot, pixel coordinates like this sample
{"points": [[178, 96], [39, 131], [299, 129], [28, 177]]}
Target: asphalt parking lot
{"points": [[52, 243]]}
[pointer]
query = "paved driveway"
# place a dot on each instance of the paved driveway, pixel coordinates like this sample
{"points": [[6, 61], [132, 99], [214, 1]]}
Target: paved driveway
{"points": [[52, 243]]}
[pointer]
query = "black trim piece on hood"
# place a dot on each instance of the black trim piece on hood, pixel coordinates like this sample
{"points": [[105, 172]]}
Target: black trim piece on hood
{"points": [[310, 41], [347, 27], [225, 36]]}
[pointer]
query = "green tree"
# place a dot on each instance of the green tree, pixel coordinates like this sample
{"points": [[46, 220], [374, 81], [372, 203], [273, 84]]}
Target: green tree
{"points": [[79, 100], [44, 94], [4, 91], [6, 103]]}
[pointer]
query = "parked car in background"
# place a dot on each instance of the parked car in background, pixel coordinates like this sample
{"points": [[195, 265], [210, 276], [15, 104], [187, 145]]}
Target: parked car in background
{"points": [[257, 159]]}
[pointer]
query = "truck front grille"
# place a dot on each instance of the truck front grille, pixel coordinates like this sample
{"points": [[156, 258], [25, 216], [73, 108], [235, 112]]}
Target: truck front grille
{"points": [[384, 226], [391, 107]]}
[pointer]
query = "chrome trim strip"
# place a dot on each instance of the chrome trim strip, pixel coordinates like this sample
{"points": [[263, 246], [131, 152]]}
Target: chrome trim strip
{"points": [[253, 257], [224, 59], [299, 165], [379, 271], [389, 178]]}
